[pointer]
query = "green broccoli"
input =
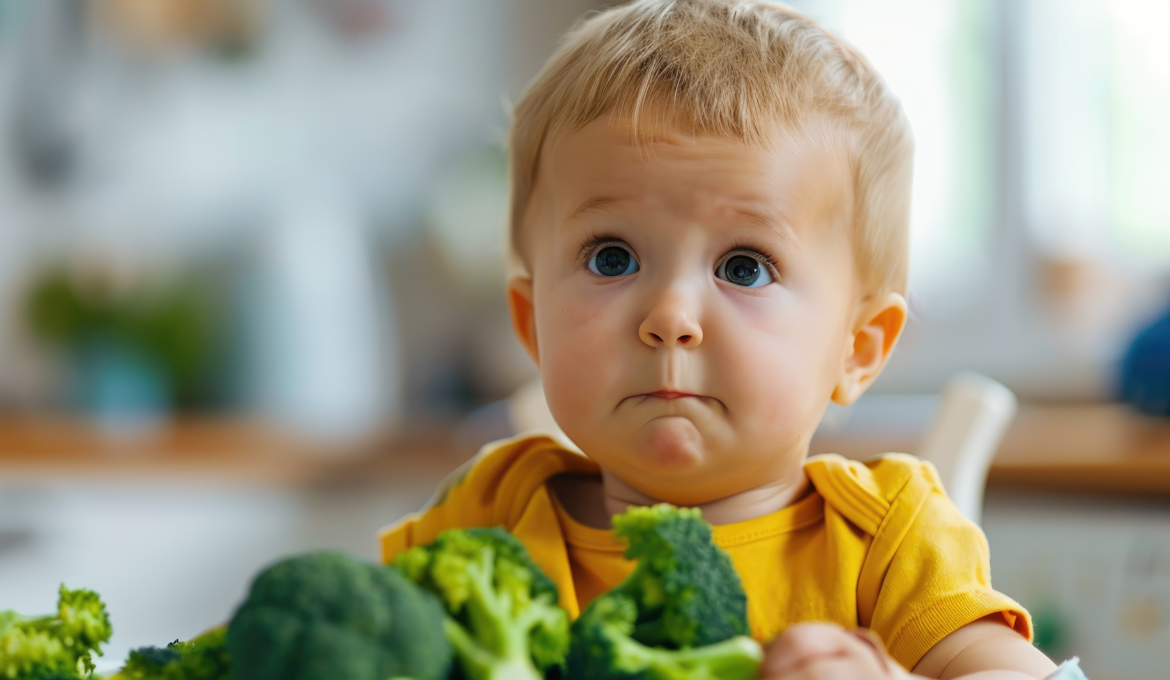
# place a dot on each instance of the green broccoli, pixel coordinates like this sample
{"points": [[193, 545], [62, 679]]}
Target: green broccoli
{"points": [[204, 658], [681, 614], [325, 616], [148, 660], [504, 622], [60, 645]]}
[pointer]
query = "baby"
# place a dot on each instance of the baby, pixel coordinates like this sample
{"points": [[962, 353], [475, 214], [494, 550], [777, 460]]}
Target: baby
{"points": [[709, 225]]}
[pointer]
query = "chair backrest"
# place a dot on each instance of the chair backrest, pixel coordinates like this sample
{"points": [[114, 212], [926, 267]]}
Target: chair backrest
{"points": [[973, 414], [528, 410]]}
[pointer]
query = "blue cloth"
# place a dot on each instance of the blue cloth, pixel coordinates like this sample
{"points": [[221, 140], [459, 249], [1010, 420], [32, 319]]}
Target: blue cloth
{"points": [[1145, 370], [1069, 670]]}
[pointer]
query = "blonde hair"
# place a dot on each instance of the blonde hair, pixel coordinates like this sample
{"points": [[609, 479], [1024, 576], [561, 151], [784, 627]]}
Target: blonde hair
{"points": [[743, 69]]}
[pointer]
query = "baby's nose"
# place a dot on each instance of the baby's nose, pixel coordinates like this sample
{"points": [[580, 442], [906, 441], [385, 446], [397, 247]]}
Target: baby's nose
{"points": [[656, 340], [671, 323]]}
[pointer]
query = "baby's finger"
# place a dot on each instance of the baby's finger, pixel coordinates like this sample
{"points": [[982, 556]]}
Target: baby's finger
{"points": [[871, 640], [803, 643], [840, 668]]}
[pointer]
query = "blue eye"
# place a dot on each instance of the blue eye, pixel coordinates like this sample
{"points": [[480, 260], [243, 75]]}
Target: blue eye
{"points": [[613, 261], [744, 270]]}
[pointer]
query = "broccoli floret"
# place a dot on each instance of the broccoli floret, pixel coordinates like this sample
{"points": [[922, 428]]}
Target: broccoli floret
{"points": [[147, 660], [325, 616], [681, 614], [504, 622], [61, 645], [204, 658]]}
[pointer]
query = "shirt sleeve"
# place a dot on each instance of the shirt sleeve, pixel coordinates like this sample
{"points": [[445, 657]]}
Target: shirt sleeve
{"points": [[932, 569], [458, 502]]}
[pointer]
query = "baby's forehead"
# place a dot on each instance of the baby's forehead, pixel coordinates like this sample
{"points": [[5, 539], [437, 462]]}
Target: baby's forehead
{"points": [[677, 131], [609, 164]]}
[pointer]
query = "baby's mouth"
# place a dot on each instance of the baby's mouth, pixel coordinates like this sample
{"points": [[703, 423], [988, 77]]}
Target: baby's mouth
{"points": [[679, 402], [670, 395]]}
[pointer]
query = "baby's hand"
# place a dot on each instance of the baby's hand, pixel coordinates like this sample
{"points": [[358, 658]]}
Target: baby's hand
{"points": [[826, 651]]}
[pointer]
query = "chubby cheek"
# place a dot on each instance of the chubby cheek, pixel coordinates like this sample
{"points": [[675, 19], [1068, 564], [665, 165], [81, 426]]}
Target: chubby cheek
{"points": [[579, 336], [777, 368]]}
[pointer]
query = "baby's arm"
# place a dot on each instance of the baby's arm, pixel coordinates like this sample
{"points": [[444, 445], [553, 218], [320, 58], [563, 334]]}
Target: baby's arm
{"points": [[983, 650]]}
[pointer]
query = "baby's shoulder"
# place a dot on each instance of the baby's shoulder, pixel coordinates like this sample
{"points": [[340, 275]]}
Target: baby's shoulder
{"points": [[492, 489], [870, 492]]}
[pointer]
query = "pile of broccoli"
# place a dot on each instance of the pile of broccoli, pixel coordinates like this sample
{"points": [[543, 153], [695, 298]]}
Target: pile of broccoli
{"points": [[472, 605], [681, 614]]}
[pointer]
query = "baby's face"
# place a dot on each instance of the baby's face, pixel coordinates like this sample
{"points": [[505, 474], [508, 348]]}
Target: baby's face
{"points": [[693, 304]]}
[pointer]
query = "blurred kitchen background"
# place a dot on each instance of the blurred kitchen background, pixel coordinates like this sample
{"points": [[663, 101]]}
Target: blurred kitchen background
{"points": [[252, 264]]}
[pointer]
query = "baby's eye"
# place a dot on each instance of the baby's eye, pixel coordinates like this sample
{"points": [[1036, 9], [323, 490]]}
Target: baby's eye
{"points": [[744, 270], [612, 260]]}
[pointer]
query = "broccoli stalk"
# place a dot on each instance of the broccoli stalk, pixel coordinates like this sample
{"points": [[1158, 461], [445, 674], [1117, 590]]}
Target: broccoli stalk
{"points": [[606, 633], [61, 645], [681, 614], [503, 620], [501, 649]]}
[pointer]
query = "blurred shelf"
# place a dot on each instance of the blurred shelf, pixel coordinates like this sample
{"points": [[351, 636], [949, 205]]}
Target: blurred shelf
{"points": [[1105, 448], [1095, 448], [214, 448]]}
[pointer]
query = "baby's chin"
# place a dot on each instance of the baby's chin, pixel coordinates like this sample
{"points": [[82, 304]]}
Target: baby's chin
{"points": [[669, 460], [687, 460], [669, 446]]}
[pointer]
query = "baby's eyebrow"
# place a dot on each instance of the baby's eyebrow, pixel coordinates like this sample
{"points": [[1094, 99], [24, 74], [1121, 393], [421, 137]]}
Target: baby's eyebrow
{"points": [[593, 203], [771, 220]]}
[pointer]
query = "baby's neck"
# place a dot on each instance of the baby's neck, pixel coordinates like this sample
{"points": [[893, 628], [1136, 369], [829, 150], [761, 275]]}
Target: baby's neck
{"points": [[762, 500], [593, 501]]}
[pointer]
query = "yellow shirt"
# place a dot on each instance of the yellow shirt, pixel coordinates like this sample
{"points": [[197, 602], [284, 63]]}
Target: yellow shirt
{"points": [[876, 544]]}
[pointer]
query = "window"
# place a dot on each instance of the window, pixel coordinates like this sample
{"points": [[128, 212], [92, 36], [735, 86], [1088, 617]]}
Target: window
{"points": [[1096, 104], [1139, 129], [937, 57]]}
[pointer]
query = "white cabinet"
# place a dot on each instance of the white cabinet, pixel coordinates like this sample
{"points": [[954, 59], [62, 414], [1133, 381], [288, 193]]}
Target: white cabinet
{"points": [[1095, 575]]}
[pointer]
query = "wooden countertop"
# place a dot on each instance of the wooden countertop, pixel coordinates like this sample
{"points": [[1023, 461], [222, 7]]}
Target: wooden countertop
{"points": [[1093, 448], [1102, 448], [213, 448], [1105, 449]]}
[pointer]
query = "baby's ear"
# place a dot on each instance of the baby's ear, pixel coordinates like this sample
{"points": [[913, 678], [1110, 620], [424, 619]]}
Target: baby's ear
{"points": [[523, 314], [877, 330]]}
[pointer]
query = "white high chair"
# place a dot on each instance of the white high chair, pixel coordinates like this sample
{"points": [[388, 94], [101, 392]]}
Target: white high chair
{"points": [[973, 414]]}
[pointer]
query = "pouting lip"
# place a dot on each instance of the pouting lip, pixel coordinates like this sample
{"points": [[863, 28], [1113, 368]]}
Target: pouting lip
{"points": [[670, 395]]}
